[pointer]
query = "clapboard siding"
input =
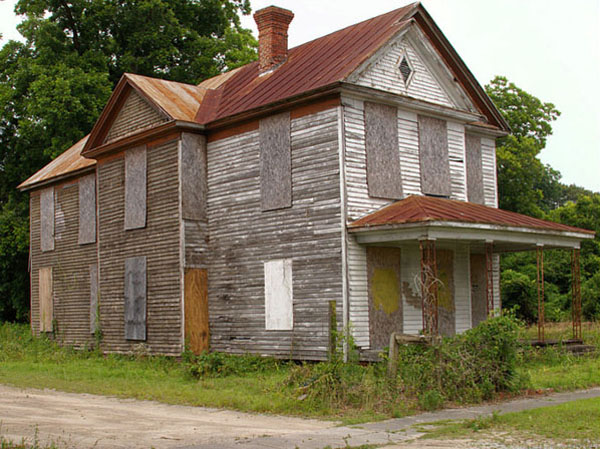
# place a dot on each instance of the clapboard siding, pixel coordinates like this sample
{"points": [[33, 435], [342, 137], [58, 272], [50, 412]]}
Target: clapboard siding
{"points": [[462, 287], [457, 157], [384, 74], [358, 294], [488, 154], [135, 115], [242, 238], [411, 288], [408, 140], [158, 242], [70, 263]]}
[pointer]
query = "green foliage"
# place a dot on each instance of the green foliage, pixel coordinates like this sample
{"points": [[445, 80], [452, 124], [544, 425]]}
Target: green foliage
{"points": [[219, 364], [470, 367], [54, 85]]}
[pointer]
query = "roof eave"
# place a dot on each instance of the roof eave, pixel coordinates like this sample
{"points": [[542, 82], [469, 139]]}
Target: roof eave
{"points": [[24, 187]]}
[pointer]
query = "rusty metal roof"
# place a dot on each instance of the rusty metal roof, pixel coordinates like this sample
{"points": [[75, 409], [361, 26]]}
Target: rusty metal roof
{"points": [[423, 209], [68, 162], [310, 66]]}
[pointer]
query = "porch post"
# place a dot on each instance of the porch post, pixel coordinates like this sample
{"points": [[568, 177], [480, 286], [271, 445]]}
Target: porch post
{"points": [[489, 270], [429, 287], [576, 292], [540, 290]]}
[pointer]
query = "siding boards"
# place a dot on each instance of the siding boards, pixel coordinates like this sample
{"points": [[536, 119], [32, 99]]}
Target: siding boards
{"points": [[358, 293], [70, 264], [488, 158], [475, 185], [433, 147], [242, 238], [87, 209], [46, 302], [275, 162], [93, 298], [384, 74], [135, 115], [411, 290], [384, 177], [456, 160], [159, 242]]}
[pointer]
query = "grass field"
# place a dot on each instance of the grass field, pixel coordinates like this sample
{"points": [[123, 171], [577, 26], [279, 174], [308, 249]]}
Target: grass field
{"points": [[251, 383], [572, 422]]}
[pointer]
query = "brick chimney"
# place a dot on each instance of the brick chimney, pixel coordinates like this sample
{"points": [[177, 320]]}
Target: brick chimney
{"points": [[273, 23]]}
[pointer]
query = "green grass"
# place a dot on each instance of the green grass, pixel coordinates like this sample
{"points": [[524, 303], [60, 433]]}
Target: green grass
{"points": [[577, 421]]}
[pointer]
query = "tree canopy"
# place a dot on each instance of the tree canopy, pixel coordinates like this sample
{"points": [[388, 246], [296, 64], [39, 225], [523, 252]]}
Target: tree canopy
{"points": [[54, 85]]}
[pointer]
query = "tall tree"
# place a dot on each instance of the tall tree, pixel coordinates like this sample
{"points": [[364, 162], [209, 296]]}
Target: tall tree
{"points": [[54, 85]]}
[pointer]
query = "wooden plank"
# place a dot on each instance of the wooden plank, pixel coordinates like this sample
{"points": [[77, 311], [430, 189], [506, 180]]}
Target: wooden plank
{"points": [[47, 219], [87, 209], [384, 177], [193, 176], [478, 289], [279, 307], [446, 296], [275, 162], [94, 312], [135, 298], [385, 295], [433, 155], [46, 299], [197, 332], [135, 187], [475, 189]]}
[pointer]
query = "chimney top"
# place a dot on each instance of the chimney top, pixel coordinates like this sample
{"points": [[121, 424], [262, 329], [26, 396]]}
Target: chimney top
{"points": [[272, 23]]}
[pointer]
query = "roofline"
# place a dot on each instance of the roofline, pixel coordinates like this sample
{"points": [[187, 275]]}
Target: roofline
{"points": [[583, 235], [45, 182], [145, 135], [455, 61]]}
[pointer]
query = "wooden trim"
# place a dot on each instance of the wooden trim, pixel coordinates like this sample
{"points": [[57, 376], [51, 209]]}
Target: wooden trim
{"points": [[56, 181], [233, 130], [313, 108]]}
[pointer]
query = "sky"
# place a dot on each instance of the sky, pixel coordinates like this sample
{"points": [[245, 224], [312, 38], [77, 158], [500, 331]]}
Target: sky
{"points": [[549, 48]]}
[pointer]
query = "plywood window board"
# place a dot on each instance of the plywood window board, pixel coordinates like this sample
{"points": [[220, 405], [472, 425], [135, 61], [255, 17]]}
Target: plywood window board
{"points": [[47, 219], [46, 299], [433, 155], [197, 332], [474, 169], [279, 307], [193, 176], [384, 177], [87, 209], [446, 292], [135, 187], [275, 162], [135, 298]]}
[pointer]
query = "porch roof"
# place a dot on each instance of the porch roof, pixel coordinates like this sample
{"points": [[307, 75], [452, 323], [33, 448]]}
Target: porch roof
{"points": [[423, 217]]}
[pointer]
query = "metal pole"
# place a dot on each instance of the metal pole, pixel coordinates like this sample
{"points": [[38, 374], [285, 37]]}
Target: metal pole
{"points": [[489, 265], [576, 292], [540, 290]]}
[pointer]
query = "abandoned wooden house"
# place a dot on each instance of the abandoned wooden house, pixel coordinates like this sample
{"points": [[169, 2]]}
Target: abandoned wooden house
{"points": [[345, 184]]}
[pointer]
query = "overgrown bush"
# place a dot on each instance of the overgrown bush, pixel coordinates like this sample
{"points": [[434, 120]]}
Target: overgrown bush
{"points": [[470, 367], [218, 364]]}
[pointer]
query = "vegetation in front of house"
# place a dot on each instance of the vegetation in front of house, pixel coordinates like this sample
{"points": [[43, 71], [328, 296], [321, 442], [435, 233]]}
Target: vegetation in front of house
{"points": [[482, 364], [571, 422]]}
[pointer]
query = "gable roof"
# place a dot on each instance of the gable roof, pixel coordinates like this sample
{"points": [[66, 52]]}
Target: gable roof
{"points": [[68, 163], [426, 209]]}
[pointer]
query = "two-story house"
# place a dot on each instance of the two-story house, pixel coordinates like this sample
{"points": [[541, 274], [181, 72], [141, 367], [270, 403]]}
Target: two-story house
{"points": [[348, 184]]}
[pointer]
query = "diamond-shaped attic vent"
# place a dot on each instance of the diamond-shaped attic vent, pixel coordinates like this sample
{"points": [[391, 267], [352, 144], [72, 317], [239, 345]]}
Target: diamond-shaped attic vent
{"points": [[405, 69]]}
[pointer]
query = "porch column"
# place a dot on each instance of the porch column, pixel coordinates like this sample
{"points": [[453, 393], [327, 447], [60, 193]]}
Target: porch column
{"points": [[429, 287], [540, 290], [576, 292], [489, 280]]}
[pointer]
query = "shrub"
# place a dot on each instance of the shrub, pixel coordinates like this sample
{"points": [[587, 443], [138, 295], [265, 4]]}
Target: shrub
{"points": [[218, 364]]}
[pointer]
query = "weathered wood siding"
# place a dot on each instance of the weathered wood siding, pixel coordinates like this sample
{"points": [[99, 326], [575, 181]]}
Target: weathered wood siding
{"points": [[135, 115], [159, 242], [70, 264], [242, 238], [384, 74], [490, 187], [457, 159]]}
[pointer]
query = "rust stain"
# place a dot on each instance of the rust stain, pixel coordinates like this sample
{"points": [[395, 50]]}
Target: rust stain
{"points": [[422, 209]]}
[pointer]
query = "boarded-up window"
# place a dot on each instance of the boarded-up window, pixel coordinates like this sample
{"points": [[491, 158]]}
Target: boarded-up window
{"points": [[87, 209], [47, 219], [474, 169], [94, 311], [46, 301], [135, 188], [433, 155], [135, 298], [279, 310], [193, 177], [275, 162], [383, 156]]}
